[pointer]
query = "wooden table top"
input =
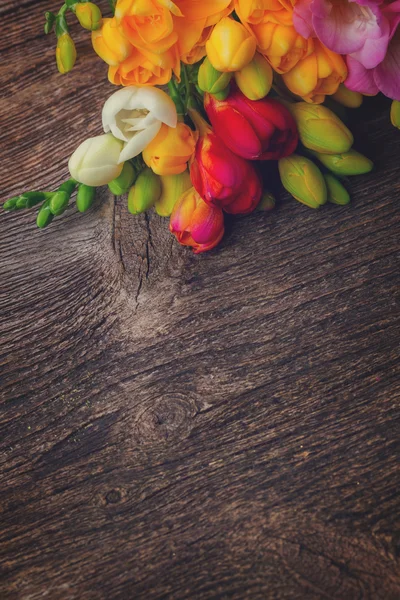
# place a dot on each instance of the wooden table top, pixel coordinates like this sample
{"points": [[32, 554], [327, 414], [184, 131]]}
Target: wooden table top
{"points": [[190, 427]]}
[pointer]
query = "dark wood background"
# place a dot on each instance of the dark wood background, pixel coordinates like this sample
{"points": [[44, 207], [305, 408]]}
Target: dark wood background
{"points": [[173, 426]]}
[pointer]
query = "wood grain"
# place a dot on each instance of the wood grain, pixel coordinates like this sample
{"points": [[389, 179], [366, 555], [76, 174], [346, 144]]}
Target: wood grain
{"points": [[191, 427]]}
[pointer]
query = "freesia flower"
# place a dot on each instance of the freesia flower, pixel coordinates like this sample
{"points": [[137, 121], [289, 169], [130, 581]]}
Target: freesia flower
{"points": [[210, 11], [88, 15], [144, 68], [255, 79], [134, 115], [395, 114], [384, 78], [231, 46], [197, 51], [96, 161], [221, 177], [65, 53], [194, 223], [148, 25], [361, 28], [195, 28], [110, 43], [169, 152], [145, 193], [272, 25], [303, 179], [320, 129], [172, 188], [259, 11], [253, 129], [317, 75]]}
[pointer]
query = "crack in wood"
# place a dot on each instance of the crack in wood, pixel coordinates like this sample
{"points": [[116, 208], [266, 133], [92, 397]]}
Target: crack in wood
{"points": [[149, 242], [115, 238]]}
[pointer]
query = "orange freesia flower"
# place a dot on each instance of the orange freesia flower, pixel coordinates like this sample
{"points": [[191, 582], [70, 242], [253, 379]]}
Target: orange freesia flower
{"points": [[110, 43], [271, 22], [146, 68], [192, 53], [281, 45], [170, 150], [317, 75], [148, 24], [211, 11], [255, 11], [194, 29]]}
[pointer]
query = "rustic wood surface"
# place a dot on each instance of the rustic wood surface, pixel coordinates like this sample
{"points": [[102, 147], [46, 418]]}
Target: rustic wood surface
{"points": [[173, 426]]}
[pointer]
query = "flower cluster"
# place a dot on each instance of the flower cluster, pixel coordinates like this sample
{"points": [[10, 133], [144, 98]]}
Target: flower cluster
{"points": [[314, 44], [247, 82]]}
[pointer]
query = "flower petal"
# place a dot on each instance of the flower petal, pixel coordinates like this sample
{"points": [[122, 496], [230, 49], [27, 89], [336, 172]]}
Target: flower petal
{"points": [[158, 103], [207, 222], [115, 103], [302, 18], [139, 141], [344, 27], [360, 79], [387, 73]]}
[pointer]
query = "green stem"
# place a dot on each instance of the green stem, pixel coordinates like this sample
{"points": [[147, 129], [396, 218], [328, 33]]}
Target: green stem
{"points": [[174, 93], [61, 23], [186, 83], [62, 10]]}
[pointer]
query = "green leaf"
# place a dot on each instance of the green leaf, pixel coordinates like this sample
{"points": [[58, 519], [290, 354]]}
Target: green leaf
{"points": [[50, 20]]}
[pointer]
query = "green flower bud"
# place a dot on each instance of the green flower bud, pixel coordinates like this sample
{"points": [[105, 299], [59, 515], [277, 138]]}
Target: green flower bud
{"points": [[172, 188], [145, 192], [267, 202], [320, 129], [255, 79], [121, 184], [347, 97], [302, 178], [65, 53], [395, 114], [68, 186], [22, 202], [59, 203], [337, 193], [88, 15], [26, 200], [11, 204], [60, 199], [212, 81], [45, 216], [85, 197], [347, 163], [31, 199]]}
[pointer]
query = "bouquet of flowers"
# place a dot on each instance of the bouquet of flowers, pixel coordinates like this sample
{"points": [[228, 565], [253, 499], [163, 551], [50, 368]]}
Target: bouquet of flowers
{"points": [[213, 92]]}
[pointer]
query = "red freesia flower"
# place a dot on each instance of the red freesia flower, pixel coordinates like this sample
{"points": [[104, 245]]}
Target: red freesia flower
{"points": [[195, 223], [253, 129], [221, 177]]}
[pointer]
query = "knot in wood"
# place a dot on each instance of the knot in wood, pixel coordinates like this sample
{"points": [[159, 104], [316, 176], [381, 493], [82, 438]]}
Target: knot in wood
{"points": [[164, 421]]}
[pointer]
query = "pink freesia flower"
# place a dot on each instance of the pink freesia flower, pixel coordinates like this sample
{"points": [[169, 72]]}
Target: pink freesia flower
{"points": [[384, 78], [361, 28]]}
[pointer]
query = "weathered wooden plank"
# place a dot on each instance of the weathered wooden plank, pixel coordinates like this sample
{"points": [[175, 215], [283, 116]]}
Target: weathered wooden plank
{"points": [[180, 426]]}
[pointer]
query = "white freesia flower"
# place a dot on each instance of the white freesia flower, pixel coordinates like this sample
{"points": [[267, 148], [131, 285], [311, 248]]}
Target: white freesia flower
{"points": [[135, 114], [96, 161]]}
